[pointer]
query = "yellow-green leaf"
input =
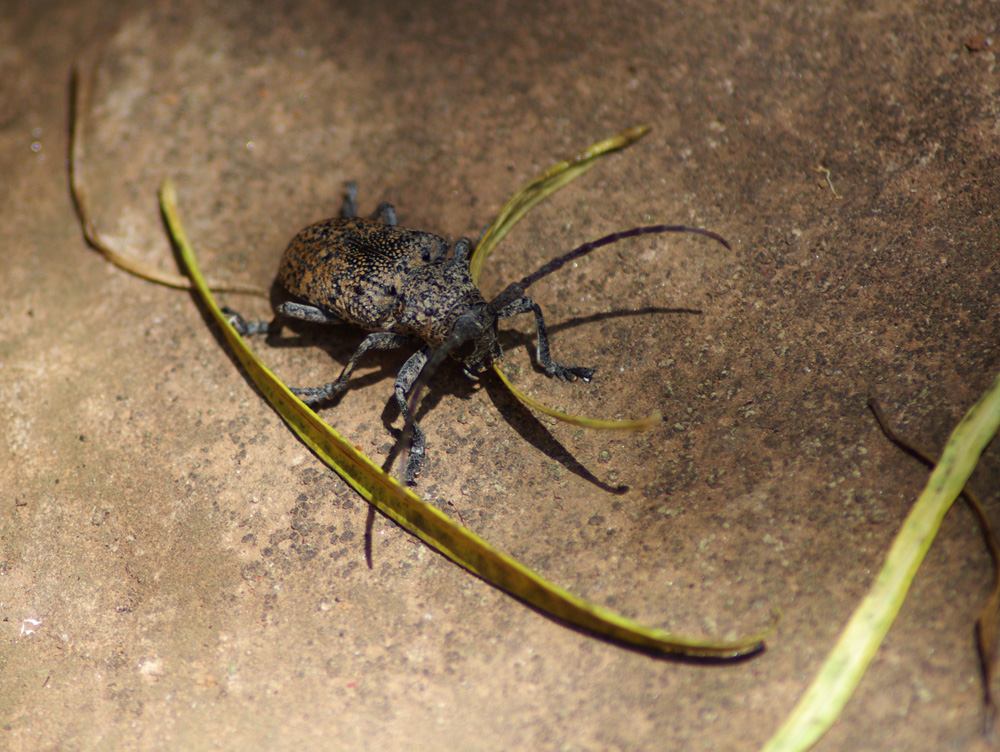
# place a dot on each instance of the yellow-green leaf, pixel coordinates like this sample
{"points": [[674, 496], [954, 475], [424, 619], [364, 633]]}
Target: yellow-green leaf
{"points": [[840, 674], [544, 185]]}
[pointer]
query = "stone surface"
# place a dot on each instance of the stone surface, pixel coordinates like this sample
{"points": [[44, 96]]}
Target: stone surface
{"points": [[177, 571]]}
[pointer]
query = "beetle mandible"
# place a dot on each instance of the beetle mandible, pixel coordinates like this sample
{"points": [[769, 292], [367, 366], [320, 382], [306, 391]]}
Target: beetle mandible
{"points": [[402, 286]]}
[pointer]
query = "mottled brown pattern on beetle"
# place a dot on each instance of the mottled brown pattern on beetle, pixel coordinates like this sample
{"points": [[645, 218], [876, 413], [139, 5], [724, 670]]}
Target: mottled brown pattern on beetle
{"points": [[358, 268]]}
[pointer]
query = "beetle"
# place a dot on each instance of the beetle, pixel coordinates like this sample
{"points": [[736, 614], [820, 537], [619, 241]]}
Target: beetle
{"points": [[401, 285]]}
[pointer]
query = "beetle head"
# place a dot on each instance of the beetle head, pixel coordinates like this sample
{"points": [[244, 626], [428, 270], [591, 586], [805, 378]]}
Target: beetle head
{"points": [[473, 341]]}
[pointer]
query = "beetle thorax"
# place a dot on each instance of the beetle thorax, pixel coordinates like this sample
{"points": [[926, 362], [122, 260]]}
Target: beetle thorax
{"points": [[434, 299]]}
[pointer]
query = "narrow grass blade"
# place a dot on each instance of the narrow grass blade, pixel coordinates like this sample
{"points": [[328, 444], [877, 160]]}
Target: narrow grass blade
{"points": [[842, 671], [544, 185]]}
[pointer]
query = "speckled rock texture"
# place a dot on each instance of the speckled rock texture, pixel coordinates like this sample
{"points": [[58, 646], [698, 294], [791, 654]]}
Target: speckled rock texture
{"points": [[177, 571]]}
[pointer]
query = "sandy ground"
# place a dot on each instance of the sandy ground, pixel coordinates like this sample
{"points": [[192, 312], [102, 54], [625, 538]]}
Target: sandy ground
{"points": [[177, 571]]}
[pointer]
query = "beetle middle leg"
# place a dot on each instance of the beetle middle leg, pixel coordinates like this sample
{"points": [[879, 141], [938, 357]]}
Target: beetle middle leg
{"points": [[566, 373], [405, 379], [376, 341]]}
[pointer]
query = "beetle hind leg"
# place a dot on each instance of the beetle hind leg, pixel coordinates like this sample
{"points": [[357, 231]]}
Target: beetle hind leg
{"points": [[288, 310], [385, 213], [312, 314]]}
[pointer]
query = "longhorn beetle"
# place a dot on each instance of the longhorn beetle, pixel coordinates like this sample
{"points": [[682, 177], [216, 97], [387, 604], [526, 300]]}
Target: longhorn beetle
{"points": [[400, 285]]}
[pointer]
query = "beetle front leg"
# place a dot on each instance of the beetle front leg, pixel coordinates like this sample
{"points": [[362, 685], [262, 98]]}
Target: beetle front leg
{"points": [[404, 382], [566, 373], [377, 341]]}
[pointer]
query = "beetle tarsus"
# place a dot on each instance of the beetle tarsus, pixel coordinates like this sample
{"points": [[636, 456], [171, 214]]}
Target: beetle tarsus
{"points": [[243, 327]]}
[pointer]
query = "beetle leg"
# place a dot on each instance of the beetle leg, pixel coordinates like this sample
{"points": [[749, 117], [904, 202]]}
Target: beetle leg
{"points": [[463, 247], [309, 313], [386, 214], [349, 208], [404, 382], [243, 327], [377, 341], [566, 373], [289, 310]]}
